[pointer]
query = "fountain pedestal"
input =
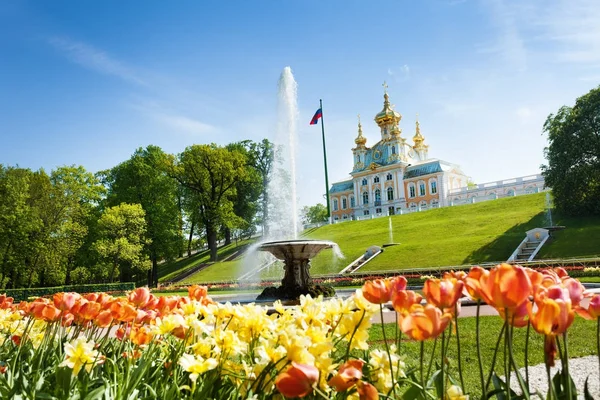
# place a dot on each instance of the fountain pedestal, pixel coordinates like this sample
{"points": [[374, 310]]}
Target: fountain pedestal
{"points": [[296, 256]]}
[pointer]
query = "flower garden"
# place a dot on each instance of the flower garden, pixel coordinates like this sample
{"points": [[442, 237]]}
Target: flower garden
{"points": [[96, 346]]}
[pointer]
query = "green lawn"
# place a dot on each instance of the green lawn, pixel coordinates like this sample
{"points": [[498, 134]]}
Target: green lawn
{"points": [[469, 234], [582, 340]]}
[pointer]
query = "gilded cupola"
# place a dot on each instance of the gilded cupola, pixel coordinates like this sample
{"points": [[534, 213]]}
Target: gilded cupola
{"points": [[388, 115], [418, 138], [360, 140]]}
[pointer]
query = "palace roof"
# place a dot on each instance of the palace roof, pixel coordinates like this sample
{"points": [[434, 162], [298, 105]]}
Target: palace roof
{"points": [[430, 167], [342, 186], [380, 155]]}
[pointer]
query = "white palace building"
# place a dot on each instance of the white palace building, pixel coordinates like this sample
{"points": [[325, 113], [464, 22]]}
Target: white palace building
{"points": [[395, 176]]}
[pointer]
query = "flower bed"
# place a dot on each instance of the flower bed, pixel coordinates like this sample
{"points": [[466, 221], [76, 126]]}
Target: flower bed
{"points": [[172, 347]]}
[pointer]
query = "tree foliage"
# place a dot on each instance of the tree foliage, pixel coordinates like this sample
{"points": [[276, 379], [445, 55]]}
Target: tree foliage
{"points": [[573, 154], [143, 180], [314, 214]]}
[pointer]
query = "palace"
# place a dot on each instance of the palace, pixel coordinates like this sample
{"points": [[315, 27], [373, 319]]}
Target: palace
{"points": [[394, 176]]}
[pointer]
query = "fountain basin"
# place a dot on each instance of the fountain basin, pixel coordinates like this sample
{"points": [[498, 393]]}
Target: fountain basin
{"points": [[296, 256]]}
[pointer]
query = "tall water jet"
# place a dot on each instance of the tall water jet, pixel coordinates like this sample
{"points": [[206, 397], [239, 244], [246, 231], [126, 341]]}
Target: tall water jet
{"points": [[391, 232], [283, 210]]}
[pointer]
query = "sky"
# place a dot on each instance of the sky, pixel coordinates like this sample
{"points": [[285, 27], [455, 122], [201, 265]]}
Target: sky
{"points": [[87, 83]]}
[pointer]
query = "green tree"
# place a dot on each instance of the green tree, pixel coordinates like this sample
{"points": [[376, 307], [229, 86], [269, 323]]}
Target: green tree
{"points": [[143, 180], [122, 231], [211, 172], [262, 156], [573, 154], [314, 214]]}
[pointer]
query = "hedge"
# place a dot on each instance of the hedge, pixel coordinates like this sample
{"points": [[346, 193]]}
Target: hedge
{"points": [[27, 293]]}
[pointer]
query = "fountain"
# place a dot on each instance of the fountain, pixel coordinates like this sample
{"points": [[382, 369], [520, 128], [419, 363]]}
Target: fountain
{"points": [[296, 255], [283, 216]]}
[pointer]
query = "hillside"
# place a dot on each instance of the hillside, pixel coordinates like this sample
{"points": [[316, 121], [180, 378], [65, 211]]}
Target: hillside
{"points": [[468, 234]]}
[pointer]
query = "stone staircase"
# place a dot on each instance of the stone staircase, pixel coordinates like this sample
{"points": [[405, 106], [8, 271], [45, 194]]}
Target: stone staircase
{"points": [[530, 246]]}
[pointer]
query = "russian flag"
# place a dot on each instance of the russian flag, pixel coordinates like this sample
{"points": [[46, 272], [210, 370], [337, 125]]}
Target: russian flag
{"points": [[316, 117]]}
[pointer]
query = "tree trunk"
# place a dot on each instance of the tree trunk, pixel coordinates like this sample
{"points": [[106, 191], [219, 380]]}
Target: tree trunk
{"points": [[191, 237], [112, 272], [227, 236], [180, 207], [154, 277], [211, 238]]}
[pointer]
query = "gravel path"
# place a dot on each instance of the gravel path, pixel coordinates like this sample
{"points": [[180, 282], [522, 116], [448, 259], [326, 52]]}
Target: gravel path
{"points": [[580, 369]]}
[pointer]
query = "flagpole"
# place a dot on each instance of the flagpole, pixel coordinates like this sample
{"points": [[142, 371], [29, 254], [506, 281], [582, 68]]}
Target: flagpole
{"points": [[325, 162]]}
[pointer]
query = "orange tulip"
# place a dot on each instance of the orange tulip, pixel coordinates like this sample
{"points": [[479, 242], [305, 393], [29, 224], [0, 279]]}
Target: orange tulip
{"points": [[348, 374], [44, 311], [397, 284], [552, 317], [140, 336], [443, 293], [366, 391], [506, 286], [89, 310], [5, 302], [377, 291], [518, 316], [458, 275], [65, 301], [297, 380], [593, 310], [536, 278], [139, 297], [422, 323], [122, 311], [404, 300], [103, 319], [197, 292], [473, 282]]}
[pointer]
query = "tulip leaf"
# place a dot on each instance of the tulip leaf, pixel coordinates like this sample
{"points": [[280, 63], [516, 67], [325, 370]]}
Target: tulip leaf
{"points": [[586, 391]]}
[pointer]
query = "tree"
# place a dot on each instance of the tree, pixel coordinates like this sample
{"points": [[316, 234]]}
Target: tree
{"points": [[262, 156], [314, 214], [122, 231], [211, 172], [143, 180], [573, 154]]}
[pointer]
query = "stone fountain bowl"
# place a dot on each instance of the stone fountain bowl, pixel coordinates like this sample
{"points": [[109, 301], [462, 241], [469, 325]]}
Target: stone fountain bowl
{"points": [[296, 249]]}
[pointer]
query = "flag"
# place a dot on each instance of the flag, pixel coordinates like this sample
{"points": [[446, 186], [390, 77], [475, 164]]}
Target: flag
{"points": [[316, 117]]}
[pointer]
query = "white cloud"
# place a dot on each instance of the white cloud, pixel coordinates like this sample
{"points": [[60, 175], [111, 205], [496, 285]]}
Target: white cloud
{"points": [[173, 119], [400, 75], [95, 59], [524, 113]]}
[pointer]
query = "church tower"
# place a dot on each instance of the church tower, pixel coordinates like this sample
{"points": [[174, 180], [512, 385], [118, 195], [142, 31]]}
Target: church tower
{"points": [[421, 149], [388, 121], [360, 151]]}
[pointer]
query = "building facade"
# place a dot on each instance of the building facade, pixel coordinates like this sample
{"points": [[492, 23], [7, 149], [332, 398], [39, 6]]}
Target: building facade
{"points": [[396, 175]]}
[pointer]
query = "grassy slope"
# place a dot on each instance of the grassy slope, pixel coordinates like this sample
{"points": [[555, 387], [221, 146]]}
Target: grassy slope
{"points": [[168, 271], [469, 234], [484, 232]]}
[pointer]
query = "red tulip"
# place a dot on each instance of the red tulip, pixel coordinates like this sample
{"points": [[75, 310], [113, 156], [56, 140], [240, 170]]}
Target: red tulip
{"points": [[348, 374], [443, 293], [377, 291], [297, 380]]}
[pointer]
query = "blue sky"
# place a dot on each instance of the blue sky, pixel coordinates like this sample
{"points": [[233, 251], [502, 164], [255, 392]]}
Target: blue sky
{"points": [[87, 83]]}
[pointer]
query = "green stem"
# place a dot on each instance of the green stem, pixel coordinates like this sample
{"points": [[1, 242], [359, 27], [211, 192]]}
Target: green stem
{"points": [[443, 394], [566, 375], [550, 386], [431, 359], [527, 354], [387, 348], [422, 376], [477, 342], [489, 379], [353, 333], [460, 374], [524, 388], [506, 359]]}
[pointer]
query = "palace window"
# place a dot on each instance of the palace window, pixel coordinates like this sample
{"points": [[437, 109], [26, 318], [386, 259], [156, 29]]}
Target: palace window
{"points": [[413, 206], [435, 203], [344, 203], [390, 194], [378, 195], [423, 204], [433, 184], [364, 182], [389, 177], [421, 188], [378, 210], [393, 149], [411, 190], [344, 216], [335, 204], [352, 203], [366, 212], [365, 198], [376, 179]]}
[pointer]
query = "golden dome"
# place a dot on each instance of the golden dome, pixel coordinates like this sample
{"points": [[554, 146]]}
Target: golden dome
{"points": [[388, 114], [418, 138], [360, 139]]}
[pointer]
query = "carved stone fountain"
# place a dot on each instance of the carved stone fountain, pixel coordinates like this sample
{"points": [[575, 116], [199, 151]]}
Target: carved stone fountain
{"points": [[296, 256]]}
